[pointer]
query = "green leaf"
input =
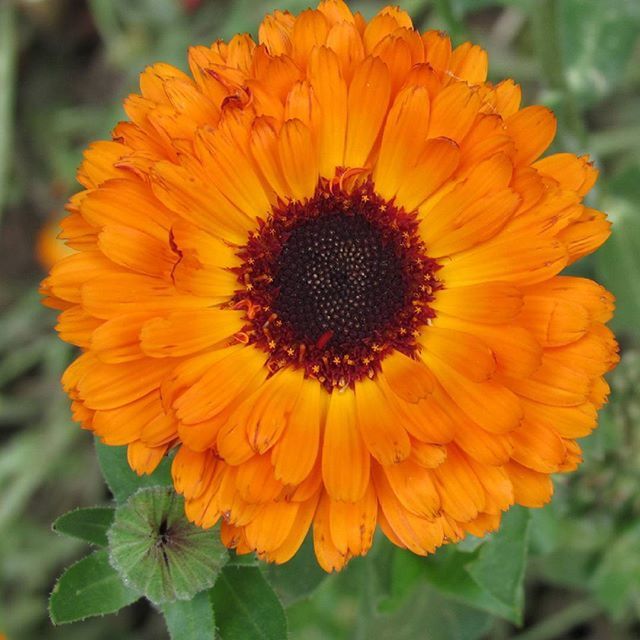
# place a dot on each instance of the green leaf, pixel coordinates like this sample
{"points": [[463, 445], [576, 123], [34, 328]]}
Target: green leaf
{"points": [[619, 258], [299, 577], [500, 565], [246, 607], [190, 619], [490, 578], [90, 587], [90, 525], [159, 552], [119, 476]]}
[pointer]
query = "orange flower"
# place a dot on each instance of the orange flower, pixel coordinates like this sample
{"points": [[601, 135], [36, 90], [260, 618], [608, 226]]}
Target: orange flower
{"points": [[325, 268]]}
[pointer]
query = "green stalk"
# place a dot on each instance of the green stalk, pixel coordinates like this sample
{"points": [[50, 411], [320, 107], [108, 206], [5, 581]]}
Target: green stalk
{"points": [[8, 54]]}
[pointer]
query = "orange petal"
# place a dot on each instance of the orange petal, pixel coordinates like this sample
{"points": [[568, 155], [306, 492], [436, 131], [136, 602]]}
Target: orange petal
{"points": [[143, 459], [271, 526], [327, 554], [345, 458], [554, 321], [538, 447], [462, 494], [192, 471], [470, 63], [438, 162], [185, 332], [369, 94], [295, 453], [493, 406], [255, 480], [491, 302], [331, 90], [124, 425], [420, 535], [571, 172], [297, 534], [462, 351], [240, 370], [409, 379], [379, 424], [108, 386], [415, 488], [404, 135], [530, 488], [532, 129], [453, 112], [352, 524], [554, 384], [298, 159]]}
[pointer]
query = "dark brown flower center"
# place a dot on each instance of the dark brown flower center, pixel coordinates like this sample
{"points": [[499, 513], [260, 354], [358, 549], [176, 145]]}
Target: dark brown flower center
{"points": [[338, 278], [334, 284]]}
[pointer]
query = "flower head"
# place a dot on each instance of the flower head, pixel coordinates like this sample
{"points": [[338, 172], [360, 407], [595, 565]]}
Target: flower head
{"points": [[324, 268]]}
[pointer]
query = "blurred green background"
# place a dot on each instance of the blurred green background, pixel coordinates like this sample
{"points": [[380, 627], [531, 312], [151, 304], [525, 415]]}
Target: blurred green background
{"points": [[66, 65]]}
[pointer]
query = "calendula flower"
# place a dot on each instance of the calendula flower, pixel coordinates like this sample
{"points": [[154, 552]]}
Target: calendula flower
{"points": [[324, 268]]}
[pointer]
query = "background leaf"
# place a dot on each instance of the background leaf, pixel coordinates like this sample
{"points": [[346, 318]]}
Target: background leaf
{"points": [[90, 525], [500, 564], [90, 587], [191, 619], [246, 607]]}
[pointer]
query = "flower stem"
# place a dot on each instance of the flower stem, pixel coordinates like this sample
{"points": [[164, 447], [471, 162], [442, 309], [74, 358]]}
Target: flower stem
{"points": [[557, 626]]}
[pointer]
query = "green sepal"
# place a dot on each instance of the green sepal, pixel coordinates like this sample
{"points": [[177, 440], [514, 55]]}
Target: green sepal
{"points": [[159, 552], [90, 525], [90, 587]]}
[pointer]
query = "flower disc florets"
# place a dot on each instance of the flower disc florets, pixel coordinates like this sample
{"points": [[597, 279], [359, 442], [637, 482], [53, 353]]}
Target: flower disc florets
{"points": [[336, 283]]}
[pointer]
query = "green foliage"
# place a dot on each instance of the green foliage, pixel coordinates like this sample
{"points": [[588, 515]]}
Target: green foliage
{"points": [[247, 607], [90, 525], [159, 552], [489, 578], [90, 587], [190, 619]]}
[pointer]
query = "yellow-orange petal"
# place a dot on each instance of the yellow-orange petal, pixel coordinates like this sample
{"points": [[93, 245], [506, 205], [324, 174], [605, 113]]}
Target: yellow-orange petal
{"points": [[345, 458], [352, 524], [532, 129], [381, 429]]}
